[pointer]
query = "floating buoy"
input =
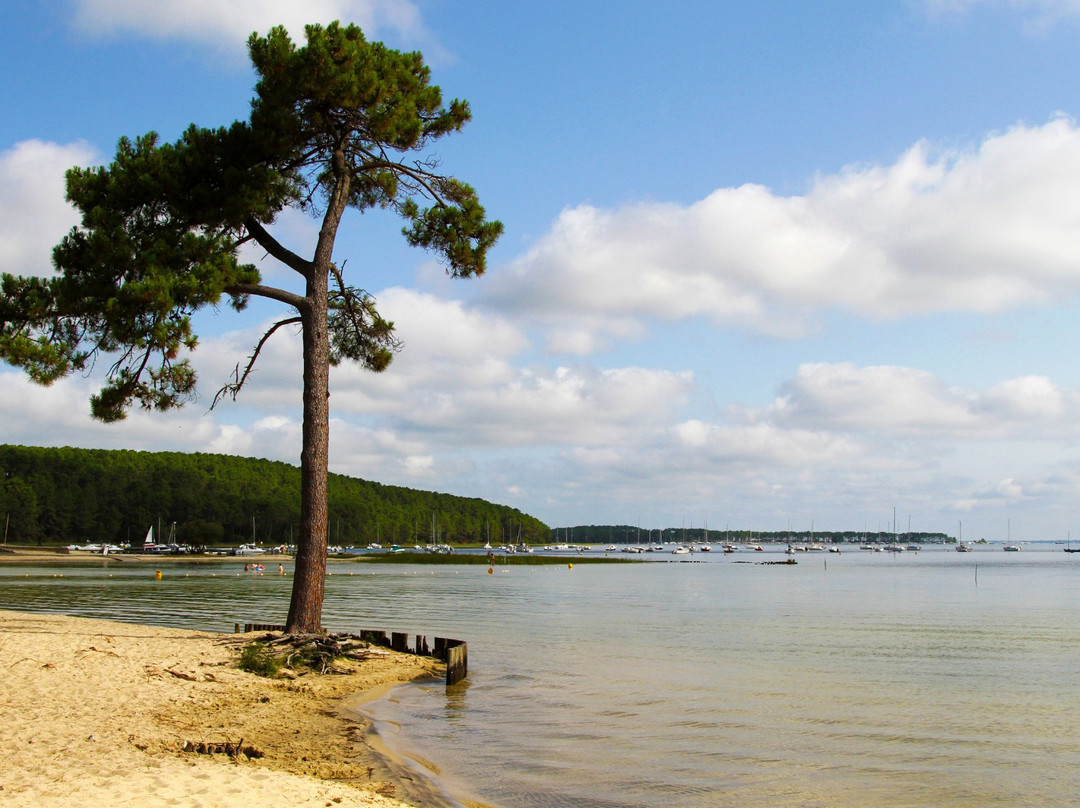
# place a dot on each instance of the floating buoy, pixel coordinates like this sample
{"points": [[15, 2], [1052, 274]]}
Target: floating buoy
{"points": [[157, 574], [570, 566], [491, 571]]}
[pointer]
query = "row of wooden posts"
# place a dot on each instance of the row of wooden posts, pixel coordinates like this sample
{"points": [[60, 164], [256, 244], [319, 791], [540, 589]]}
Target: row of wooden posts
{"points": [[455, 653]]}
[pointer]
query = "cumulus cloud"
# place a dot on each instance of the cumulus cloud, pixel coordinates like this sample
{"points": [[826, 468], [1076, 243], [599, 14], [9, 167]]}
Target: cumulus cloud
{"points": [[843, 396], [910, 402], [982, 229], [59, 415], [460, 379], [35, 214], [228, 25]]}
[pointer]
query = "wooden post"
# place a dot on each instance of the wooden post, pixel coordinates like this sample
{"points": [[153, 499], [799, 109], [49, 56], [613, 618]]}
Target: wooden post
{"points": [[375, 637], [455, 653]]}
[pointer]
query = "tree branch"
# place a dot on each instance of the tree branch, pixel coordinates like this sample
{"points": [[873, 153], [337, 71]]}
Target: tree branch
{"points": [[233, 388], [272, 292], [274, 247]]}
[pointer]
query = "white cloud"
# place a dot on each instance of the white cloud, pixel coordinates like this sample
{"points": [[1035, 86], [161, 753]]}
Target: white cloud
{"points": [[1026, 398], [843, 396], [59, 415], [227, 25], [906, 402], [459, 380], [983, 229], [35, 213]]}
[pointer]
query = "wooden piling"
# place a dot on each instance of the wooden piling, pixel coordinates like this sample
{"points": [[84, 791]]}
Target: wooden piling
{"points": [[455, 653], [259, 627]]}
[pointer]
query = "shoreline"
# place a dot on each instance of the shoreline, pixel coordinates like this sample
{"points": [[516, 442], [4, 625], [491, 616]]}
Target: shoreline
{"points": [[98, 713], [25, 555]]}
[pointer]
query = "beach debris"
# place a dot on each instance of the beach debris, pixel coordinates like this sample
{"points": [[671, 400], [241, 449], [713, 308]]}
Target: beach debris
{"points": [[98, 651], [229, 748], [297, 654], [181, 675]]}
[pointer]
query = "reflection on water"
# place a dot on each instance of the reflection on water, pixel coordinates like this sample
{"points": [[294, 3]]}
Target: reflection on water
{"points": [[864, 679]]}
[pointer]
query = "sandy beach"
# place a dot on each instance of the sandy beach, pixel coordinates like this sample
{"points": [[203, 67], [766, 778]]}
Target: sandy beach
{"points": [[98, 713]]}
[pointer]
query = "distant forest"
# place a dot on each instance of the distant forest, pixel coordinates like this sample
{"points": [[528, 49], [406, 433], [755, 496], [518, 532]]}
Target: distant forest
{"points": [[76, 496], [630, 534]]}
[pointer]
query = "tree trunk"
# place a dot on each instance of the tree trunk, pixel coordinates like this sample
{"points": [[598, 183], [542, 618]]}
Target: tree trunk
{"points": [[309, 580]]}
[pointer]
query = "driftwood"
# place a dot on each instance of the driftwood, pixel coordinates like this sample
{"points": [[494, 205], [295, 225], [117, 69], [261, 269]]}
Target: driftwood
{"points": [[318, 652]]}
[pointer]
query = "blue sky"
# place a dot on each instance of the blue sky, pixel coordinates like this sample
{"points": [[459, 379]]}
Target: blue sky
{"points": [[764, 262]]}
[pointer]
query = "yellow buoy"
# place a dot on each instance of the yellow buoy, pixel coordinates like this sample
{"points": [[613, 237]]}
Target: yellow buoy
{"points": [[491, 571], [570, 566], [157, 574]]}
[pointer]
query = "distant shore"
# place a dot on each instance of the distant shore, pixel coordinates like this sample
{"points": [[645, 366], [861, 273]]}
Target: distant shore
{"points": [[44, 555], [98, 713], [60, 555]]}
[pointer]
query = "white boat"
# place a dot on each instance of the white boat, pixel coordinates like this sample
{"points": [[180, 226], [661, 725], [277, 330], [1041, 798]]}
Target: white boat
{"points": [[1011, 548], [249, 550], [681, 550], [98, 549], [149, 546]]}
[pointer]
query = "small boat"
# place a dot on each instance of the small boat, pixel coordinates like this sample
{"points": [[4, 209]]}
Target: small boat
{"points": [[681, 550], [1011, 548], [249, 549]]}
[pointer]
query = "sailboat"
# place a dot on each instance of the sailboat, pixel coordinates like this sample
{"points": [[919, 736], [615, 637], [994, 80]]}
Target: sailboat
{"points": [[960, 546], [1010, 548], [149, 546]]}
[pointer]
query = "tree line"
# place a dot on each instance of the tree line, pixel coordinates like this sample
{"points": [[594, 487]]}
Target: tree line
{"points": [[76, 496], [632, 534]]}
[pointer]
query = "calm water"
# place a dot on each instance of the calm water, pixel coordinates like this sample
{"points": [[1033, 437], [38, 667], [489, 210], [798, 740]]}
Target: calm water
{"points": [[864, 679]]}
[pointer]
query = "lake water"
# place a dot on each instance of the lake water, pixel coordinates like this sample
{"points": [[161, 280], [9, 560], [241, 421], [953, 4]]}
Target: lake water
{"points": [[862, 679]]}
